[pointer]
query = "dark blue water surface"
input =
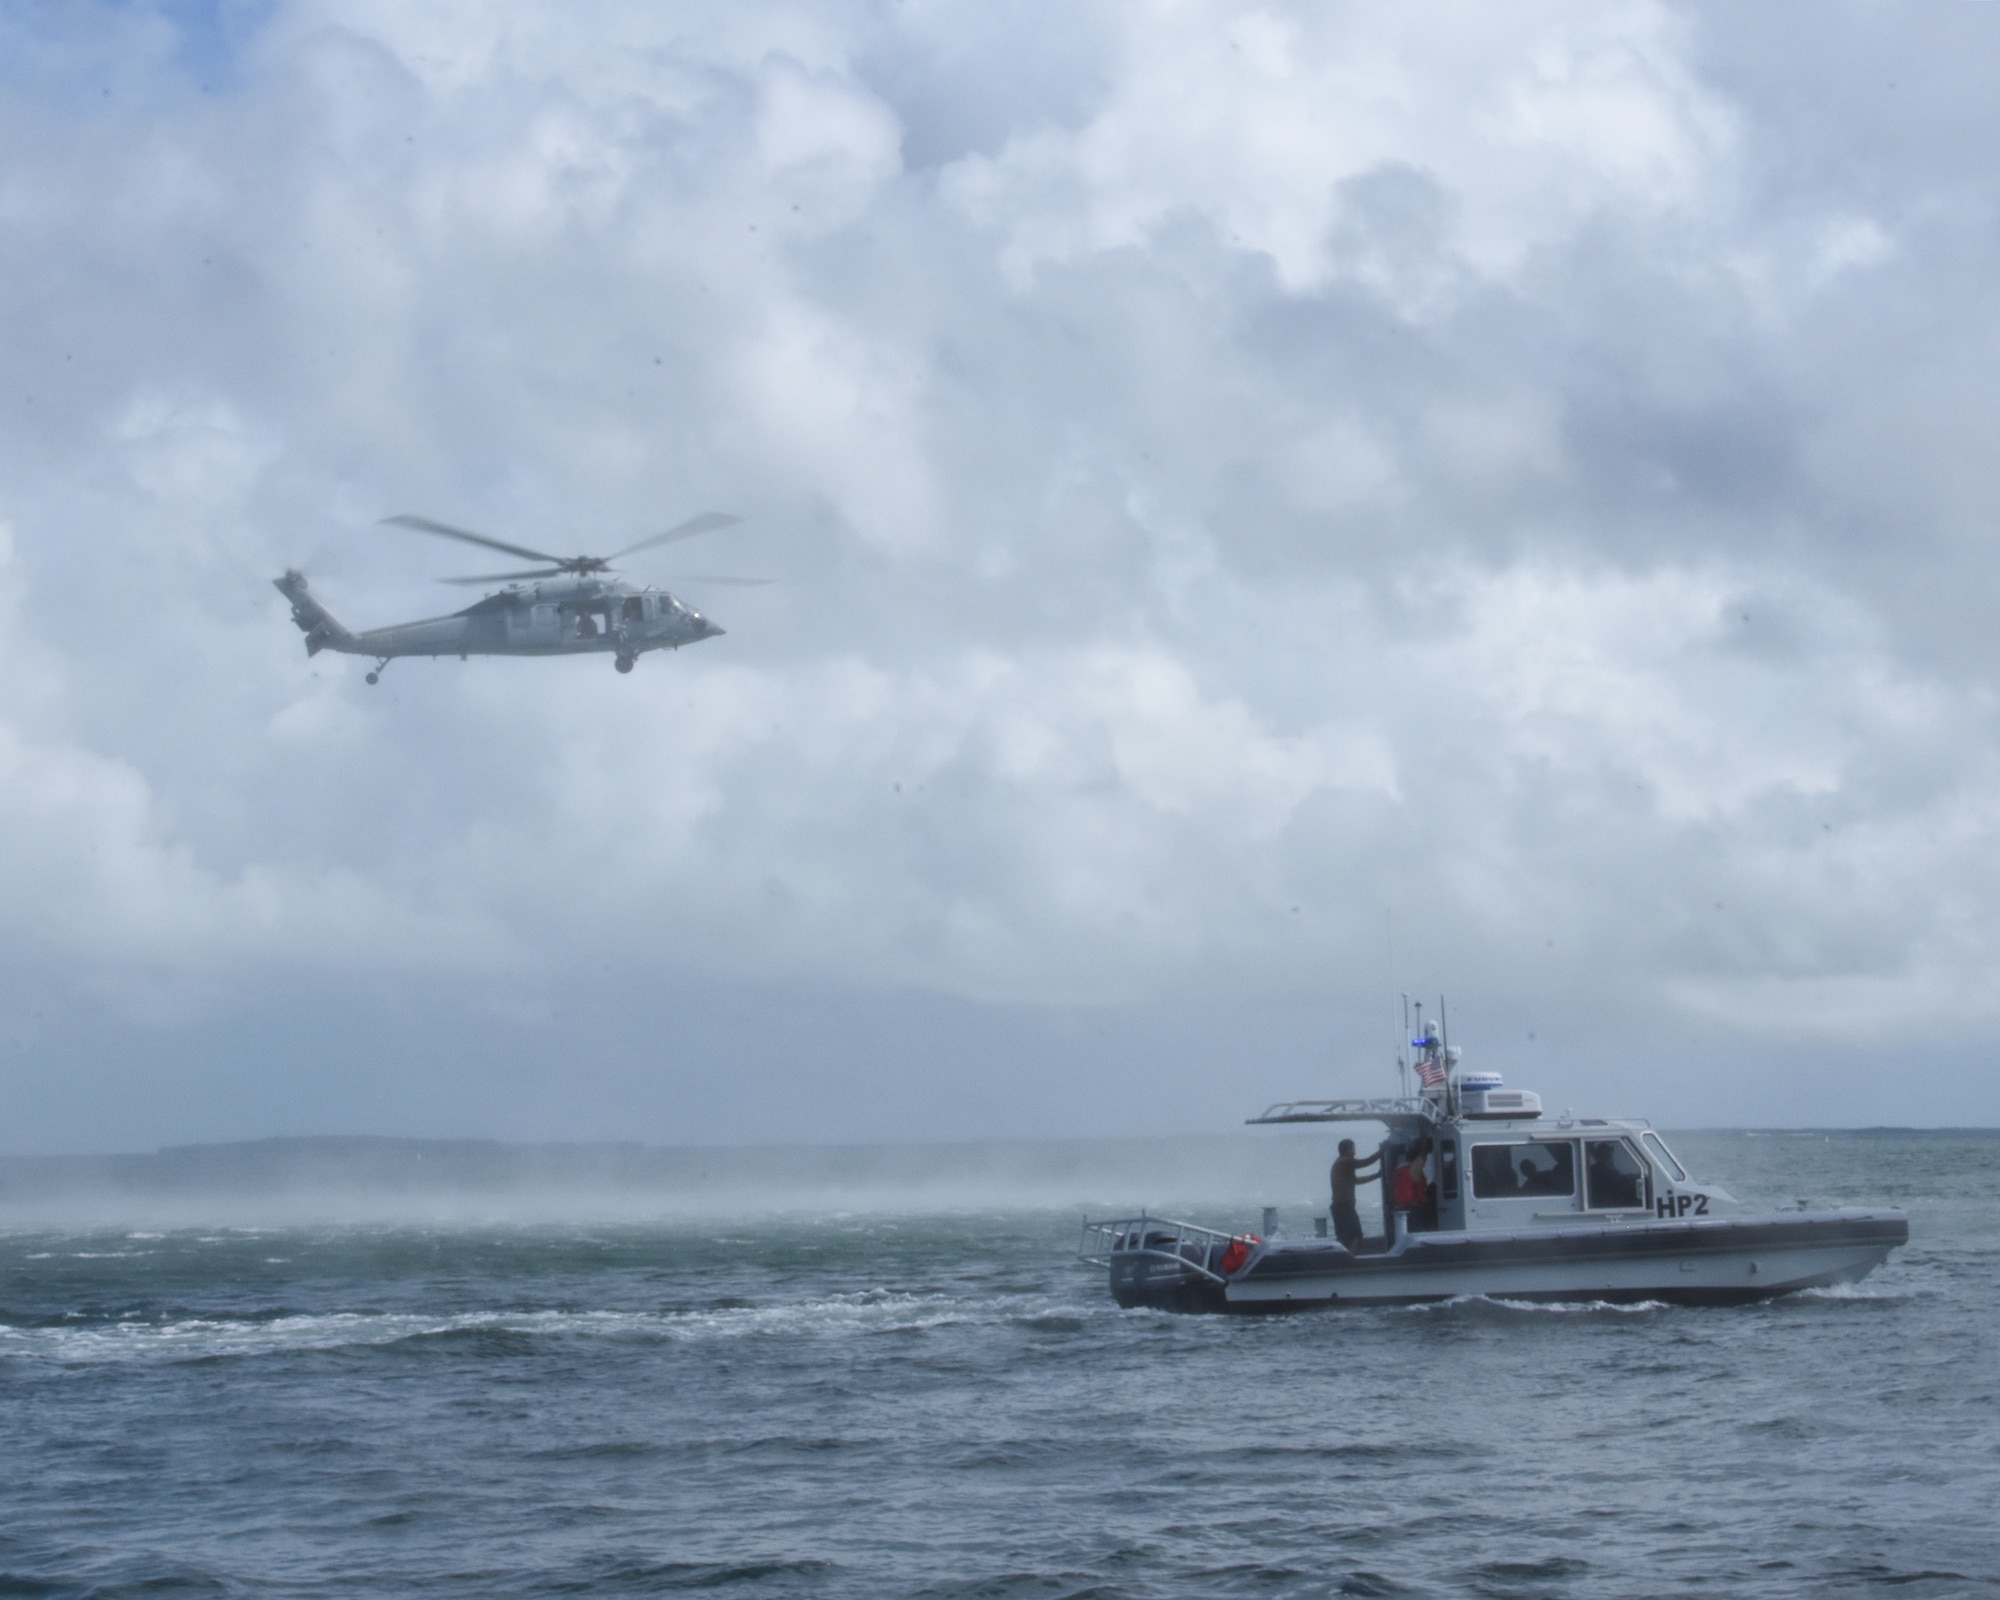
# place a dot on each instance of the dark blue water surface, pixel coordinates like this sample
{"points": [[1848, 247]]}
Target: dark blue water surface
{"points": [[947, 1405]]}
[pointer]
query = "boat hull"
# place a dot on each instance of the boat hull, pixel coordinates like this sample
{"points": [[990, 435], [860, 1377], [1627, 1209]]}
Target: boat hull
{"points": [[1708, 1261]]}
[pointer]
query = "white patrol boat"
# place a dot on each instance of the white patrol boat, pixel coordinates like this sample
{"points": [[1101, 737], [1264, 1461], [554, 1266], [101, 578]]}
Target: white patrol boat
{"points": [[1484, 1195]]}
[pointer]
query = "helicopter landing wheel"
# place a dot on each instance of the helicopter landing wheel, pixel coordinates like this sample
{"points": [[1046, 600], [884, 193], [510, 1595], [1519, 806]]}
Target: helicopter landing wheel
{"points": [[374, 677], [624, 663]]}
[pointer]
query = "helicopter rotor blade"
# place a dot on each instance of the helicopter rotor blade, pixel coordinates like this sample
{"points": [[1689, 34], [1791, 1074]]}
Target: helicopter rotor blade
{"points": [[446, 531], [504, 577], [707, 522], [727, 583]]}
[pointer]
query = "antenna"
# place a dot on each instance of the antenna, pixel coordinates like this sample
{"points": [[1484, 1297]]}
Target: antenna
{"points": [[1444, 1039], [1389, 935], [1402, 1058]]}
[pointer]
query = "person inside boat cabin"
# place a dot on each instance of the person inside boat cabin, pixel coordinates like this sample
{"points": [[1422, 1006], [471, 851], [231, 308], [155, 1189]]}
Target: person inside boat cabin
{"points": [[1409, 1188], [1346, 1174]]}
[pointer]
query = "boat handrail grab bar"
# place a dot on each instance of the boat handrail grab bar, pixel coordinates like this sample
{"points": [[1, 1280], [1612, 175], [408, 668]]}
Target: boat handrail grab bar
{"points": [[1402, 1109], [1117, 1231]]}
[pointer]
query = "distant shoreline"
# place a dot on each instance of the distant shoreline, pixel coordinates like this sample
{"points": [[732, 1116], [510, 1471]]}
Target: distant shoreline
{"points": [[1884, 1131], [374, 1144], [390, 1169]]}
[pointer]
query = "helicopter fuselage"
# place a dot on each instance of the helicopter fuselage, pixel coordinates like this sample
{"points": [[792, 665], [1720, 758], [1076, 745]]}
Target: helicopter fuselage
{"points": [[552, 617]]}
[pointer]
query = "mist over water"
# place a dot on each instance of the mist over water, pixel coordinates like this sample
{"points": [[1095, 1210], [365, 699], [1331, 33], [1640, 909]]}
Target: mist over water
{"points": [[929, 1397], [333, 1181], [336, 1180]]}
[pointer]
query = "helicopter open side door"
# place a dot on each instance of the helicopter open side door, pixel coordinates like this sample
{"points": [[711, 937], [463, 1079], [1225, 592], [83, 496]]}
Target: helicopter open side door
{"points": [[537, 624]]}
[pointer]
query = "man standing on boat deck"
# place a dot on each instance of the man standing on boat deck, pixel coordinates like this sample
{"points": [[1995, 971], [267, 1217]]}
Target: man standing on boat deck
{"points": [[1346, 1174]]}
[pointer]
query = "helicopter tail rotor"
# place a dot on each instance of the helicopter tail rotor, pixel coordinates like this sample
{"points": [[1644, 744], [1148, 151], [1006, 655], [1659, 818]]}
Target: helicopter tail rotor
{"points": [[323, 630]]}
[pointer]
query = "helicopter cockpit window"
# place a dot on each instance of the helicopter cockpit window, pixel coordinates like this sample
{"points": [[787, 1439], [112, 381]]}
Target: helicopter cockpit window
{"points": [[635, 608]]}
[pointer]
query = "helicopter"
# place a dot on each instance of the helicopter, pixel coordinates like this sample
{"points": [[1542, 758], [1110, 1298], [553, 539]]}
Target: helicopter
{"points": [[566, 606]]}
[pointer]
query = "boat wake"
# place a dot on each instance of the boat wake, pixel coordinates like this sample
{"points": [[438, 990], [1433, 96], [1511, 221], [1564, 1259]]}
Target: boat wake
{"points": [[1500, 1305], [77, 1340]]}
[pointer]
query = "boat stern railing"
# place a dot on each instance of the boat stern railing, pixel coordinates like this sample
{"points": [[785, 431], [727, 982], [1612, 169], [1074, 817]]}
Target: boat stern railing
{"points": [[1186, 1244]]}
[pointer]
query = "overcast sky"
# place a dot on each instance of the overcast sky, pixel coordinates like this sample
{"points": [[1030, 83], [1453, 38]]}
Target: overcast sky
{"points": [[1275, 508]]}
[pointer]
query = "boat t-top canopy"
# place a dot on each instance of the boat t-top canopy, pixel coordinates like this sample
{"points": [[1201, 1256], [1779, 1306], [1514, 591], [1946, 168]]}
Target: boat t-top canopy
{"points": [[1403, 1115]]}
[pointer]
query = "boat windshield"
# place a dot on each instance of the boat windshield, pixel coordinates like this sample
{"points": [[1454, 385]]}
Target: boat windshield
{"points": [[1659, 1148]]}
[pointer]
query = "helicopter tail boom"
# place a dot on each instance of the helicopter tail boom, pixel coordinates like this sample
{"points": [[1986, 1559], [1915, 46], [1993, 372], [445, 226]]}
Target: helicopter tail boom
{"points": [[323, 630]]}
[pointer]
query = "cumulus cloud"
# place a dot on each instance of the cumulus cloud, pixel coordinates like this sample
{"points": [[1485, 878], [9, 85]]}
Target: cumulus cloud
{"points": [[1342, 141], [1253, 486]]}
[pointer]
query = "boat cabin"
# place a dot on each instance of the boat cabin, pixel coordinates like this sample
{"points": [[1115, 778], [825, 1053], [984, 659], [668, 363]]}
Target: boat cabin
{"points": [[1457, 1162]]}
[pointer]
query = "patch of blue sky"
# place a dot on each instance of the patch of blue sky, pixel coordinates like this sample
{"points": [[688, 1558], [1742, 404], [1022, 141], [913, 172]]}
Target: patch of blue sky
{"points": [[213, 35], [88, 50]]}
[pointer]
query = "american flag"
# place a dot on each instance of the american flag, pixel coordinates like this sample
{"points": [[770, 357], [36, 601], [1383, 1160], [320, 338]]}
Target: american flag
{"points": [[1430, 1071]]}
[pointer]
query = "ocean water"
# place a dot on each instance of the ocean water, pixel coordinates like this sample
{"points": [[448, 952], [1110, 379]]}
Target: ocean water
{"points": [[940, 1403]]}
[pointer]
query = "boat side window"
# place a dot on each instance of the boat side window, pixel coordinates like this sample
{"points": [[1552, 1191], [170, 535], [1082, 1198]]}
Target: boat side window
{"points": [[1659, 1148], [1492, 1172], [1505, 1171], [1612, 1174]]}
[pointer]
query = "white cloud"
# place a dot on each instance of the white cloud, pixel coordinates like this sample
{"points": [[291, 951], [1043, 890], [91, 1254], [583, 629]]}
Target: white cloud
{"points": [[1254, 118], [1241, 472]]}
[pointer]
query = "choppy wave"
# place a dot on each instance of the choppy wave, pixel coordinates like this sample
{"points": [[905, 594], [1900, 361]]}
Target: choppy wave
{"points": [[1853, 1291], [864, 1406], [82, 1339]]}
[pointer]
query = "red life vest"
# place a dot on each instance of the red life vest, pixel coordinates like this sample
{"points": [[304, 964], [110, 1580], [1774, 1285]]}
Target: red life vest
{"points": [[1407, 1187], [1236, 1252]]}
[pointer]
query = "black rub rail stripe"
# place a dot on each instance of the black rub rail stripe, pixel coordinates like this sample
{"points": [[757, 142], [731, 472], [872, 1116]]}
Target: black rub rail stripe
{"points": [[1287, 1261]]}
